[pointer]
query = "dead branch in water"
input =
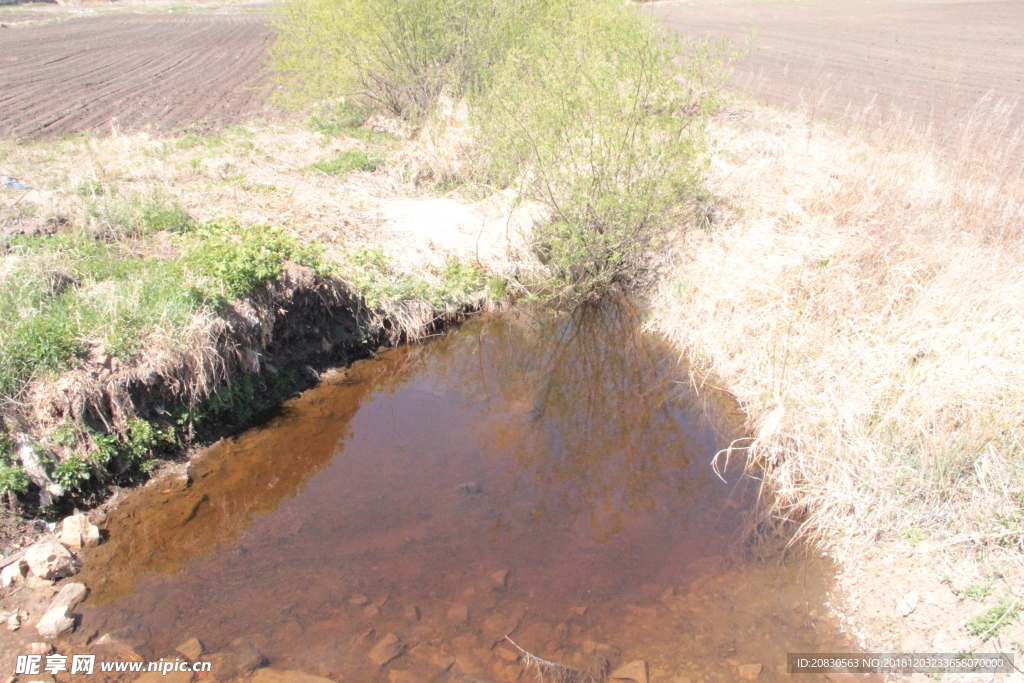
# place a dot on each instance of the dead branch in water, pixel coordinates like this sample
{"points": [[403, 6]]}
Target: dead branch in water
{"points": [[552, 672]]}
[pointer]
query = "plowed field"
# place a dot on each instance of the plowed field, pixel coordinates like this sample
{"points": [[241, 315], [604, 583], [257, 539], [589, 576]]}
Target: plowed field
{"points": [[939, 61], [167, 72]]}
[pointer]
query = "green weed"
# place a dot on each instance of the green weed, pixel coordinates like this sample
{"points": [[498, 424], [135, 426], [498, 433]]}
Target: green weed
{"points": [[348, 161], [990, 622], [225, 260]]}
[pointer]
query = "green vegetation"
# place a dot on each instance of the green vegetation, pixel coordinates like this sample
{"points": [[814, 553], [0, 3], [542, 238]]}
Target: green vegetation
{"points": [[348, 161], [70, 293], [138, 215], [988, 623], [583, 107], [225, 261], [373, 276]]}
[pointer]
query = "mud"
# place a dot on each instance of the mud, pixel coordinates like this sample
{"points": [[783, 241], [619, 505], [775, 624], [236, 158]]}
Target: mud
{"points": [[531, 476]]}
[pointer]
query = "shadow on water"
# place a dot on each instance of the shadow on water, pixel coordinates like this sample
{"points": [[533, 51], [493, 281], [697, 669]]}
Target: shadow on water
{"points": [[530, 473]]}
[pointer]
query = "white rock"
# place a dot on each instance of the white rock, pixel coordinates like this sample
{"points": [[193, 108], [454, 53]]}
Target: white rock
{"points": [[76, 532], [13, 622], [72, 530], [92, 538], [908, 604], [55, 623], [40, 648], [49, 560], [13, 573], [70, 595]]}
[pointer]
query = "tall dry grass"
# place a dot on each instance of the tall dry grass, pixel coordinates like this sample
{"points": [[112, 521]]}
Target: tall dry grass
{"points": [[863, 297]]}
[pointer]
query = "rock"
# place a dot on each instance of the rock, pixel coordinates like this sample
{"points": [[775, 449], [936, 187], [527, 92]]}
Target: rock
{"points": [[287, 676], [469, 488], [40, 648], [92, 537], [73, 529], [13, 622], [386, 650], [42, 585], [239, 659], [634, 671], [645, 612], [681, 679], [500, 578], [191, 649], [359, 600], [50, 560], [507, 654], [458, 614], [70, 595], [412, 613], [116, 648], [371, 611], [908, 604], [749, 672], [13, 573], [433, 657], [55, 623]]}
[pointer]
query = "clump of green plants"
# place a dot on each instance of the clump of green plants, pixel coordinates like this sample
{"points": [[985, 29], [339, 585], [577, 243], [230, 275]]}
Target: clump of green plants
{"points": [[379, 283], [348, 161], [988, 624], [225, 260], [67, 292], [140, 215], [13, 480]]}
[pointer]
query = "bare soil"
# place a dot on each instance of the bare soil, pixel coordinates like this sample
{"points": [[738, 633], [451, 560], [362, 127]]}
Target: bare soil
{"points": [[166, 72], [938, 61]]}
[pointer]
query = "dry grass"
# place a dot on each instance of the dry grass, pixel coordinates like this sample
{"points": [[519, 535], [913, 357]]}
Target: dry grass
{"points": [[863, 299]]}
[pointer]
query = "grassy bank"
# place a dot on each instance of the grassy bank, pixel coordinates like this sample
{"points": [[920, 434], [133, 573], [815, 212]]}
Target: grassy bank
{"points": [[159, 288], [861, 296]]}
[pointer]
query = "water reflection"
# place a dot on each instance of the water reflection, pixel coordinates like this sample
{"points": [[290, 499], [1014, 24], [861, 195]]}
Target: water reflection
{"points": [[558, 449]]}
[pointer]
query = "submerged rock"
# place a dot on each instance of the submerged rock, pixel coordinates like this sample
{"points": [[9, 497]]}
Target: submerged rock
{"points": [[749, 671], [386, 650], [633, 671], [287, 676], [191, 649], [458, 614], [50, 560]]}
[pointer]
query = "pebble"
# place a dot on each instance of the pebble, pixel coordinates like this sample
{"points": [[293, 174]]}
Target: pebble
{"points": [[191, 649], [386, 650], [359, 600], [749, 671], [500, 578], [633, 671], [458, 614], [13, 622]]}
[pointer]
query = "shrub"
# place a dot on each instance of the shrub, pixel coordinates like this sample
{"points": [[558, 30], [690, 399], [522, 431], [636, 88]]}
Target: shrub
{"points": [[596, 118], [397, 55]]}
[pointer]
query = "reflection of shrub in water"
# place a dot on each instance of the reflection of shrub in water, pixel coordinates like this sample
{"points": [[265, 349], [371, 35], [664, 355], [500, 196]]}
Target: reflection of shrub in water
{"points": [[596, 422]]}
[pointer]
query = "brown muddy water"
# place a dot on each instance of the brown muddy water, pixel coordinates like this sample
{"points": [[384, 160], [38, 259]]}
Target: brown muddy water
{"points": [[527, 474]]}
